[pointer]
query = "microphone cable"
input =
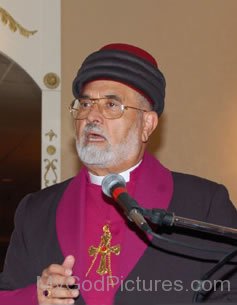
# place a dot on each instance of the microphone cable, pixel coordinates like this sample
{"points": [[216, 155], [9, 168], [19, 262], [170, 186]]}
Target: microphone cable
{"points": [[183, 244], [113, 184], [200, 294]]}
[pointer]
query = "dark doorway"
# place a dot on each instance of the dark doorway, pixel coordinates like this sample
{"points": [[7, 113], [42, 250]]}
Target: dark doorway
{"points": [[20, 149]]}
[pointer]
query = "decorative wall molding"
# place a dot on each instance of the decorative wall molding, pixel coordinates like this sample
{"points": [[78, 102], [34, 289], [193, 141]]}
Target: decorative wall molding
{"points": [[39, 56], [6, 18], [50, 174], [50, 170], [51, 80], [51, 134]]}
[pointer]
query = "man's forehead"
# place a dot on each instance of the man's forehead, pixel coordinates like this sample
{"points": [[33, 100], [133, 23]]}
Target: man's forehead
{"points": [[107, 87]]}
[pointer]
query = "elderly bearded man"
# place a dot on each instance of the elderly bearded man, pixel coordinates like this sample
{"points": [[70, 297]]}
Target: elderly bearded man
{"points": [[78, 241]]}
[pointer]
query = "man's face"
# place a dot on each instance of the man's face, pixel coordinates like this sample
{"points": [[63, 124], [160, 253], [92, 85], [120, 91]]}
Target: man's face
{"points": [[111, 145]]}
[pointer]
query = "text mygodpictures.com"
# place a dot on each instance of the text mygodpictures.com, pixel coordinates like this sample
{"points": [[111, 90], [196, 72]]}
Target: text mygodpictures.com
{"points": [[105, 284]]}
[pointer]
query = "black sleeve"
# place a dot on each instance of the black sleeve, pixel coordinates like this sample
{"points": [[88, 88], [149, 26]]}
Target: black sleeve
{"points": [[15, 271], [221, 211], [204, 200], [34, 244]]}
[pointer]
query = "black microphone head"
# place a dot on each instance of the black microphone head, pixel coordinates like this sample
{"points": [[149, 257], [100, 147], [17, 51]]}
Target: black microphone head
{"points": [[110, 181]]}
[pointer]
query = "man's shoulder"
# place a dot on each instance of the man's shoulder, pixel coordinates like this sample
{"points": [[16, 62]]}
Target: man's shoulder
{"points": [[40, 201], [195, 190], [200, 196], [57, 188], [184, 180]]}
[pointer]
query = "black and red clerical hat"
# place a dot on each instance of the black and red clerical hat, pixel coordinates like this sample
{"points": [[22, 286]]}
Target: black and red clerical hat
{"points": [[127, 64]]}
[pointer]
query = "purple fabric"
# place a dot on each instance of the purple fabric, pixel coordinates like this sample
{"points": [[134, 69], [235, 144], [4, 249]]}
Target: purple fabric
{"points": [[153, 189], [27, 295], [100, 210]]}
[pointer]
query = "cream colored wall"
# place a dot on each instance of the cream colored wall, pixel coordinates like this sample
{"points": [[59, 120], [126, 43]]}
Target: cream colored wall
{"points": [[195, 44]]}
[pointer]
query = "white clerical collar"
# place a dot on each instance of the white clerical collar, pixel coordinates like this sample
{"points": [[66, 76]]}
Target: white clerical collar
{"points": [[126, 175]]}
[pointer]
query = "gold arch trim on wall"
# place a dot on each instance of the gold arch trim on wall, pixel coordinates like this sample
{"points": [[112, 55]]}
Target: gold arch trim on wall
{"points": [[6, 18]]}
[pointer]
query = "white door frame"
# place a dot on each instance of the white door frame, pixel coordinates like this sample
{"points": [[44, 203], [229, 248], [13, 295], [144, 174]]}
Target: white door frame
{"points": [[30, 34]]}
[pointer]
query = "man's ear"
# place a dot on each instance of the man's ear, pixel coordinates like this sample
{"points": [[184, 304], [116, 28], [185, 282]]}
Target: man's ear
{"points": [[150, 121]]}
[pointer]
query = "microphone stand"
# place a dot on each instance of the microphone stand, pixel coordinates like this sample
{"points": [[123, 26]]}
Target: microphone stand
{"points": [[113, 185], [164, 218]]}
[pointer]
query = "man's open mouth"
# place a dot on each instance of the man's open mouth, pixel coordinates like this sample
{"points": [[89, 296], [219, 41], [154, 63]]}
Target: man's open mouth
{"points": [[95, 137]]}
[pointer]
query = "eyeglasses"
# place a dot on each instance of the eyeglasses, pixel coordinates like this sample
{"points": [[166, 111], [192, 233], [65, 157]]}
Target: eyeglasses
{"points": [[109, 106]]}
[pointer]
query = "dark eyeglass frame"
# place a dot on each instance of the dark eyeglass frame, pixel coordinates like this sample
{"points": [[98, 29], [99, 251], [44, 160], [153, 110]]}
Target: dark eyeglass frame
{"points": [[96, 101]]}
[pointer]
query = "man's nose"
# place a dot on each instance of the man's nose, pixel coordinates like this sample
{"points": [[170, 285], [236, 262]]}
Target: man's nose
{"points": [[95, 113]]}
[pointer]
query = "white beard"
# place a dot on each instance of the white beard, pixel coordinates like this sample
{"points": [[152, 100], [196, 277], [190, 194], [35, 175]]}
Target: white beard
{"points": [[111, 155]]}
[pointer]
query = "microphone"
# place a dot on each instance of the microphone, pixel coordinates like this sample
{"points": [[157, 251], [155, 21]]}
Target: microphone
{"points": [[114, 186]]}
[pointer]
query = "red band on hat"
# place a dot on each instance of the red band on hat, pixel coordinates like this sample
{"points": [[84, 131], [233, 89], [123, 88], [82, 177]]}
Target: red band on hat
{"points": [[131, 49]]}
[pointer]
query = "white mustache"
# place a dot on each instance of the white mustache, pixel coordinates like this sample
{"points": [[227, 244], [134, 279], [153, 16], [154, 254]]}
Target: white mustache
{"points": [[91, 127]]}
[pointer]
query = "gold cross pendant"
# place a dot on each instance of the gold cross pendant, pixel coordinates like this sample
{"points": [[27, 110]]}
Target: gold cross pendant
{"points": [[105, 250]]}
